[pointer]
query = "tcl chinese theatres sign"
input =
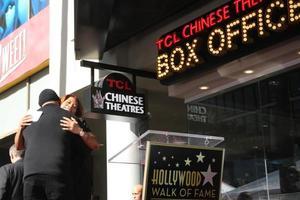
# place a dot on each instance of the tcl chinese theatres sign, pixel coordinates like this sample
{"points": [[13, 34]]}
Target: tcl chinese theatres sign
{"points": [[232, 30], [25, 50], [116, 95]]}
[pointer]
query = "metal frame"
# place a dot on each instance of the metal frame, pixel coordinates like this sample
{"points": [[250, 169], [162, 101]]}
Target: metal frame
{"points": [[103, 66]]}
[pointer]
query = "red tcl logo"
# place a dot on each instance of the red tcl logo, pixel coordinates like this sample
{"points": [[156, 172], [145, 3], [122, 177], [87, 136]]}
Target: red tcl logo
{"points": [[119, 84]]}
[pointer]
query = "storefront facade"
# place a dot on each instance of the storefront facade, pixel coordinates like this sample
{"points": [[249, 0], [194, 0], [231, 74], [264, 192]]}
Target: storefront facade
{"points": [[246, 92], [256, 112]]}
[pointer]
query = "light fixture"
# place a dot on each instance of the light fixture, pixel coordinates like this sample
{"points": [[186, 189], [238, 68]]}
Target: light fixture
{"points": [[249, 71], [298, 52], [203, 87]]}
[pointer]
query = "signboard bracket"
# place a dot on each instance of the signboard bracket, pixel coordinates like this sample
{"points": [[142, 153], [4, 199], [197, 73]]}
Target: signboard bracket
{"points": [[103, 66]]}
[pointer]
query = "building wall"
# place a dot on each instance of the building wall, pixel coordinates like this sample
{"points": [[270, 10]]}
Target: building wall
{"points": [[12, 105], [66, 74], [17, 100], [123, 171]]}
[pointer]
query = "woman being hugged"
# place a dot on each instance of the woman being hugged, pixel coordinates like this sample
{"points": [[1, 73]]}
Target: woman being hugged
{"points": [[78, 126], [82, 159]]}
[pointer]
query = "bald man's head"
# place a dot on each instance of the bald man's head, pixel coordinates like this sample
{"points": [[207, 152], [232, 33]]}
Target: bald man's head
{"points": [[137, 192]]}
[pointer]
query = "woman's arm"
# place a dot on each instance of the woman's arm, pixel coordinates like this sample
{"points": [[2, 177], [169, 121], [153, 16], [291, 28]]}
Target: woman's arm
{"points": [[19, 140], [87, 137]]}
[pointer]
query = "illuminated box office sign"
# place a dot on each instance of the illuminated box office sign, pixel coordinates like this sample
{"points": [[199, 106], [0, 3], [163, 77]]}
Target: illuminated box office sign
{"points": [[116, 95], [232, 30]]}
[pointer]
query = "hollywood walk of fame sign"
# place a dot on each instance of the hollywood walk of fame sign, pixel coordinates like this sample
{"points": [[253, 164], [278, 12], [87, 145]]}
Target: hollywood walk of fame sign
{"points": [[182, 172]]}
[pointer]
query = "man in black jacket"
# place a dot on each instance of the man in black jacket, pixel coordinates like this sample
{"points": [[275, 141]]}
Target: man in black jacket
{"points": [[11, 176], [48, 150]]}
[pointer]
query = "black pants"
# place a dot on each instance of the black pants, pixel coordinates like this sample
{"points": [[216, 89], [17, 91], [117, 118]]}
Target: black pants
{"points": [[45, 187]]}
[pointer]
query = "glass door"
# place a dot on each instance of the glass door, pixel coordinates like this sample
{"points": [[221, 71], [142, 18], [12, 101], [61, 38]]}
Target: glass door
{"points": [[260, 126]]}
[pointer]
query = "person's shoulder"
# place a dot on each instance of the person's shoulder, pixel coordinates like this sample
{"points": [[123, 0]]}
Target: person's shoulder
{"points": [[49, 107], [19, 165], [5, 168], [2, 168], [19, 162], [7, 165], [58, 110], [66, 113], [3, 171], [80, 120], [83, 124]]}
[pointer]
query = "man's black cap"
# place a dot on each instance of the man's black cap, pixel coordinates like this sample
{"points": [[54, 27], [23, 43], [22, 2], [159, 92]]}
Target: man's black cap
{"points": [[47, 95]]}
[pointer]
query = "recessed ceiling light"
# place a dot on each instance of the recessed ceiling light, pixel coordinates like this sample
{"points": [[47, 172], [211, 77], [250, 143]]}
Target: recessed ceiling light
{"points": [[249, 71], [299, 52], [203, 87]]}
